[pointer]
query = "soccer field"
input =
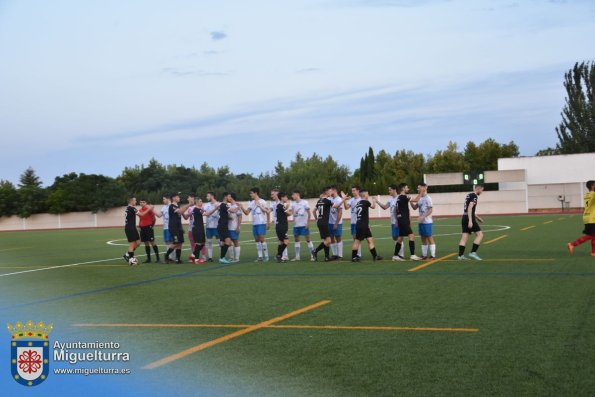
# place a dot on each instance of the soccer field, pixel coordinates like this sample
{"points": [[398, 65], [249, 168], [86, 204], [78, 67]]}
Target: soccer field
{"points": [[520, 322]]}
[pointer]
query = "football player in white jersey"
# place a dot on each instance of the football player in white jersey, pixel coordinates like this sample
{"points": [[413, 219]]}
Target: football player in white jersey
{"points": [[235, 221], [211, 224], [391, 205], [336, 224], [260, 222], [301, 223], [351, 204], [426, 209]]}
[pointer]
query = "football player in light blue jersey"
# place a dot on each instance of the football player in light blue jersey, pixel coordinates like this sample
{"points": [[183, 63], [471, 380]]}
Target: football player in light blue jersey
{"points": [[426, 209], [336, 224], [301, 220], [260, 222]]}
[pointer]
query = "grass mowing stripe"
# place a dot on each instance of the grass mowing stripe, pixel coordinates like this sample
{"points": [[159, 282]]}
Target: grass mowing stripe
{"points": [[127, 285], [293, 326], [428, 263], [114, 325], [398, 274], [233, 335]]}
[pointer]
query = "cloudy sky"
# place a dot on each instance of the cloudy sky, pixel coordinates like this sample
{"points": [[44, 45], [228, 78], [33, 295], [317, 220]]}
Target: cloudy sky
{"points": [[94, 86]]}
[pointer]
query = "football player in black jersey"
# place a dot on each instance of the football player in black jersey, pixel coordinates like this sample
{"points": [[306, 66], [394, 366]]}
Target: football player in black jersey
{"points": [[469, 223], [404, 222], [362, 225], [130, 228], [322, 212], [282, 211], [175, 227]]}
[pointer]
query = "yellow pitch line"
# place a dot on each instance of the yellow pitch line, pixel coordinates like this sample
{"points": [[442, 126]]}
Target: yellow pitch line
{"points": [[340, 327], [547, 222], [374, 328], [233, 335], [527, 228], [496, 239], [428, 263], [512, 260]]}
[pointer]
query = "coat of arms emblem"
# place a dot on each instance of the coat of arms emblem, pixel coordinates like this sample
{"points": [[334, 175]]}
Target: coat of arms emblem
{"points": [[29, 355]]}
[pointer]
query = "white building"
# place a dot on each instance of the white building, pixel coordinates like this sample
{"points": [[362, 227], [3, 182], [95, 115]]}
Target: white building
{"points": [[550, 180]]}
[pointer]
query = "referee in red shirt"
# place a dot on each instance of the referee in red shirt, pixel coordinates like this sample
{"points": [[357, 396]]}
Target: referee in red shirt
{"points": [[147, 234]]}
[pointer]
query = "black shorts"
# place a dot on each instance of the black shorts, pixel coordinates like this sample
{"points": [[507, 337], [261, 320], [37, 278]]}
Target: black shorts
{"points": [[282, 232], [324, 230], [223, 233], [362, 232], [131, 234], [147, 234], [177, 236], [404, 229], [465, 226], [589, 229], [198, 234]]}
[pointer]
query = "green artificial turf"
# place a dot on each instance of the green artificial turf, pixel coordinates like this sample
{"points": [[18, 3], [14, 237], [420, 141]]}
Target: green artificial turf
{"points": [[534, 306]]}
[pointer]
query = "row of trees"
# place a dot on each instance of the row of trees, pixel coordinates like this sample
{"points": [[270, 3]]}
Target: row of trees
{"points": [[83, 192]]}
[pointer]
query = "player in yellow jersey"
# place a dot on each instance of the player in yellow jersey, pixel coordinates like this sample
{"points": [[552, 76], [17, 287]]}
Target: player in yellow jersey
{"points": [[588, 220]]}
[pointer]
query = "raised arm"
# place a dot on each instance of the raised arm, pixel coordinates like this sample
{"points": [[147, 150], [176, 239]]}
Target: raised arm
{"points": [[373, 202], [246, 211], [144, 212], [413, 202], [182, 209], [211, 212], [383, 206]]}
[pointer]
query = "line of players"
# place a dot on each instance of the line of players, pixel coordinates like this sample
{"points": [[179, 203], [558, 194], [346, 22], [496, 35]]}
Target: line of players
{"points": [[223, 220]]}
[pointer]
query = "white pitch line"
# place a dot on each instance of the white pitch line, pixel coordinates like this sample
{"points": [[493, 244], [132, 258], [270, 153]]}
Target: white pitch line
{"points": [[57, 267]]}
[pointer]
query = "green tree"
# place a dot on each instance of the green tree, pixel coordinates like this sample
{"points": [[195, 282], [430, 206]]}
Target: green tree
{"points": [[576, 132], [449, 160], [485, 156], [8, 198], [32, 196], [73, 192], [367, 171], [308, 175]]}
